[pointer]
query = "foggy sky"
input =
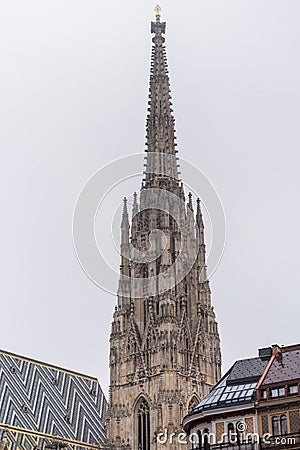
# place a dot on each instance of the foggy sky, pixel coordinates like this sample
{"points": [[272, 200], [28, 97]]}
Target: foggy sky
{"points": [[74, 86]]}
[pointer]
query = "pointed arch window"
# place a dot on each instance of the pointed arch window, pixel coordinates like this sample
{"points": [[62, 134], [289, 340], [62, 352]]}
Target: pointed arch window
{"points": [[143, 425], [193, 403]]}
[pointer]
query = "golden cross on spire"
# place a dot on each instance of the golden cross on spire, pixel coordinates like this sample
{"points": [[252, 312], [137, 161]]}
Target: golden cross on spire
{"points": [[157, 12]]}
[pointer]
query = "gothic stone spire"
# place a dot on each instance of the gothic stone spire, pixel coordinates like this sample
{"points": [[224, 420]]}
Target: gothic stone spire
{"points": [[160, 127], [164, 345]]}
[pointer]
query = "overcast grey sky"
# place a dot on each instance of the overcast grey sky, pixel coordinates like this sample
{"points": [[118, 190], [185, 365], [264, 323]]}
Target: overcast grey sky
{"points": [[74, 86]]}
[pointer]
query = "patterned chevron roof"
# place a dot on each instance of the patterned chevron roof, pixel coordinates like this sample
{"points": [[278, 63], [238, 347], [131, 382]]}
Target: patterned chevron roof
{"points": [[48, 400]]}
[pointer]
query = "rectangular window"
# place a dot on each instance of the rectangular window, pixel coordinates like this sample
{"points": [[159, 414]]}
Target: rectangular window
{"points": [[277, 392], [264, 394], [275, 426], [293, 390], [274, 393], [237, 394]]}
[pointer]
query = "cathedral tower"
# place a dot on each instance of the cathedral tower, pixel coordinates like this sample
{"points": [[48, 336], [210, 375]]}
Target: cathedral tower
{"points": [[164, 345]]}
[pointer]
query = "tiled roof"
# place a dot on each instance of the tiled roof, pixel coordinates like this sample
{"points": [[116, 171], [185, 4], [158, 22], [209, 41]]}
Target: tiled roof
{"points": [[247, 369], [284, 369], [50, 400]]}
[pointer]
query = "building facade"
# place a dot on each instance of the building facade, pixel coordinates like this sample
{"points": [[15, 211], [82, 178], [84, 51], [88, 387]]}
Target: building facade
{"points": [[164, 344], [45, 407], [278, 399], [255, 406], [217, 419]]}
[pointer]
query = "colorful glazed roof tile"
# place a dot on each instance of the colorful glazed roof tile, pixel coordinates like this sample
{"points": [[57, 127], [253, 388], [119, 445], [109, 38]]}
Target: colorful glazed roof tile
{"points": [[45, 400]]}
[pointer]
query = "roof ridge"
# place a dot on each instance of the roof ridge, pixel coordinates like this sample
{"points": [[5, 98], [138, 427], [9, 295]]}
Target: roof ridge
{"points": [[44, 364]]}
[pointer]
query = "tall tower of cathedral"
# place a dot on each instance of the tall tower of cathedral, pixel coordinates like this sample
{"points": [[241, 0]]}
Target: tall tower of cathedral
{"points": [[164, 345]]}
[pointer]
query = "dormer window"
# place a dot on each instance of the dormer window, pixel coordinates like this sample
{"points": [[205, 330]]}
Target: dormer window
{"points": [[277, 392], [264, 394], [293, 390]]}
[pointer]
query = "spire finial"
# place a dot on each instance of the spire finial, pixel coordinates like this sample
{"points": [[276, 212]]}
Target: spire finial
{"points": [[190, 202], [199, 213], [135, 207], [124, 205], [200, 224], [158, 12], [125, 221]]}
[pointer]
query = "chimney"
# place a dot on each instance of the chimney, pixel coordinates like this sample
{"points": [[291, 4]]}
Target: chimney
{"points": [[277, 352], [265, 353]]}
